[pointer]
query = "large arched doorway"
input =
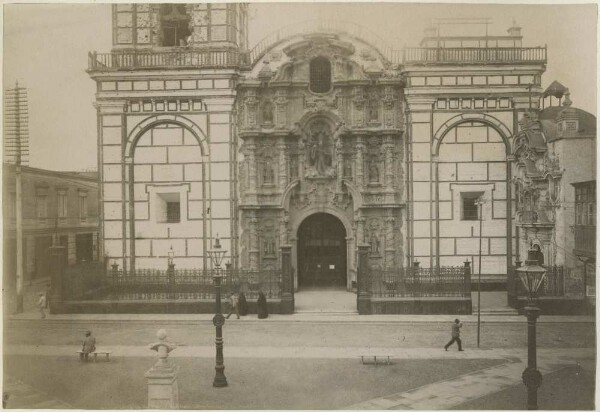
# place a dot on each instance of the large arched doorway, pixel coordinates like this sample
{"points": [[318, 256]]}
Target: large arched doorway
{"points": [[322, 252]]}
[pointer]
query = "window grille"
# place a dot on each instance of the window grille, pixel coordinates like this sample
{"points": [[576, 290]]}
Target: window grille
{"points": [[470, 209], [83, 207], [585, 204], [62, 205], [173, 212], [320, 75]]}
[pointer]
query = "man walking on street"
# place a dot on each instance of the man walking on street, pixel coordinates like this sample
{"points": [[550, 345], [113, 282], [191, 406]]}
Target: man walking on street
{"points": [[455, 335], [41, 304], [233, 305]]}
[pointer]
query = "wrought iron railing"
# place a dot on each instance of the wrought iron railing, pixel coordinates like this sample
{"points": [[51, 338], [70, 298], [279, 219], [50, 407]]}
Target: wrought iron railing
{"points": [[585, 240], [420, 282], [156, 59], [180, 284], [474, 54]]}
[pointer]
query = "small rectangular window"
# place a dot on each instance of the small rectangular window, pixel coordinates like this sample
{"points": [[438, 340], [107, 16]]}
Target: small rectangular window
{"points": [[83, 206], [42, 207], [469, 206], [168, 207], [173, 212], [62, 205]]}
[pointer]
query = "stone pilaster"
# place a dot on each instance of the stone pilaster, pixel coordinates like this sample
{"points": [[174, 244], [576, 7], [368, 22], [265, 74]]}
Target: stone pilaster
{"points": [[283, 162], [360, 161], [254, 247], [388, 148], [390, 241], [251, 103], [281, 102]]}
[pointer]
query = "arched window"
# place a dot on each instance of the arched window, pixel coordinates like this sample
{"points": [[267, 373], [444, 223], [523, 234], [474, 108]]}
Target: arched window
{"points": [[320, 75]]}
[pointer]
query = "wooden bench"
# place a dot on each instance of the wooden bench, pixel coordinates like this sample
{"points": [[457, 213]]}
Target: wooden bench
{"points": [[96, 353], [385, 359]]}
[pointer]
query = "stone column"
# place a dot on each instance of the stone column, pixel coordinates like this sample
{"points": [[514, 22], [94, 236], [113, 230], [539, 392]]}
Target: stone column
{"points": [[360, 151], [390, 244], [364, 294], [163, 390], [389, 162], [252, 170], [287, 281], [57, 270], [281, 108], [360, 227], [254, 247], [283, 162]]}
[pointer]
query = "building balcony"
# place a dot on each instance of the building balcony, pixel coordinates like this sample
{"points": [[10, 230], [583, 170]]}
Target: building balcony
{"points": [[461, 55], [169, 59], [585, 241]]}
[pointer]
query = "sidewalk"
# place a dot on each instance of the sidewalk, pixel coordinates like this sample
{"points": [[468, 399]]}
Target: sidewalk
{"points": [[323, 317], [400, 385], [451, 393]]}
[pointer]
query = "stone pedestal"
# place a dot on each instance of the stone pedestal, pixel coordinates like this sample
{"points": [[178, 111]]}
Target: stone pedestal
{"points": [[364, 295], [163, 390], [287, 294]]}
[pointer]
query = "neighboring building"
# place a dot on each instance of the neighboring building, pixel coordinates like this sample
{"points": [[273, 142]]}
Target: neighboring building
{"points": [[56, 206], [319, 138]]}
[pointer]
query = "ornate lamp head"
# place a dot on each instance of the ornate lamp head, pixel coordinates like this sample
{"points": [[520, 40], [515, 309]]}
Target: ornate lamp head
{"points": [[531, 274], [217, 253]]}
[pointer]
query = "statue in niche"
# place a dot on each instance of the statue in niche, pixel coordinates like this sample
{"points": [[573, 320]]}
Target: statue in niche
{"points": [[268, 173], [374, 245], [347, 169], [317, 141], [267, 113], [373, 172], [269, 247]]}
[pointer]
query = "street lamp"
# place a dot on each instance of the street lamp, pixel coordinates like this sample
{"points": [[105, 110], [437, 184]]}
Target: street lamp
{"points": [[479, 204], [532, 276], [216, 255]]}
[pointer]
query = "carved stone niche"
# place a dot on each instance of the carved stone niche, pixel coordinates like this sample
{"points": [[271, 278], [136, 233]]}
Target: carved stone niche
{"points": [[318, 140]]}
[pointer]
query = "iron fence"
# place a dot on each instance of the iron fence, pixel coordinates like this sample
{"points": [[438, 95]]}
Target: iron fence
{"points": [[420, 282], [557, 282], [179, 284]]}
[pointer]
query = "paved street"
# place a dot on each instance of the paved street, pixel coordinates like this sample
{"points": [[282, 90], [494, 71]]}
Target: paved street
{"points": [[299, 361]]}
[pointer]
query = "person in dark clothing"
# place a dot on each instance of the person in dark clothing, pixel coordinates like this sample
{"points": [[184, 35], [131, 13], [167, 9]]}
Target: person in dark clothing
{"points": [[89, 346], [261, 305], [455, 335]]}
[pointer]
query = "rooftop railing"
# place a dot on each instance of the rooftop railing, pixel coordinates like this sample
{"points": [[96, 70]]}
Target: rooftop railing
{"points": [[451, 55], [155, 59]]}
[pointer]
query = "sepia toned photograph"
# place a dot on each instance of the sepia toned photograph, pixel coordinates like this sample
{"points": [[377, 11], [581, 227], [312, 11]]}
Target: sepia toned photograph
{"points": [[299, 206]]}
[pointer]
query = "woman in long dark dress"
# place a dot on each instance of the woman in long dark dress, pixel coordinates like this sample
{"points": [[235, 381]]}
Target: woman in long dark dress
{"points": [[262, 306]]}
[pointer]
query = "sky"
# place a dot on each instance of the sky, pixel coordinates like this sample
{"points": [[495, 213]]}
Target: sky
{"points": [[45, 48]]}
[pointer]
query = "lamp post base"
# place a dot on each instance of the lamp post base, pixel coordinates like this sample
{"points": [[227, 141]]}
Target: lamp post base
{"points": [[220, 379]]}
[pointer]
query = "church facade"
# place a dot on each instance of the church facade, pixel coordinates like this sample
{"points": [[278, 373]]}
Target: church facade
{"points": [[321, 139]]}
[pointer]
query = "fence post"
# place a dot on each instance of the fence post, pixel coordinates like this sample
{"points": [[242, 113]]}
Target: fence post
{"points": [[364, 295], [287, 281], [57, 272], [163, 390], [467, 289], [416, 279]]}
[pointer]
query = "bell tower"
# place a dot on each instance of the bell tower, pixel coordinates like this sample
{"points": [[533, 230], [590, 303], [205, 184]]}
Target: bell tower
{"points": [[166, 125], [204, 25]]}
